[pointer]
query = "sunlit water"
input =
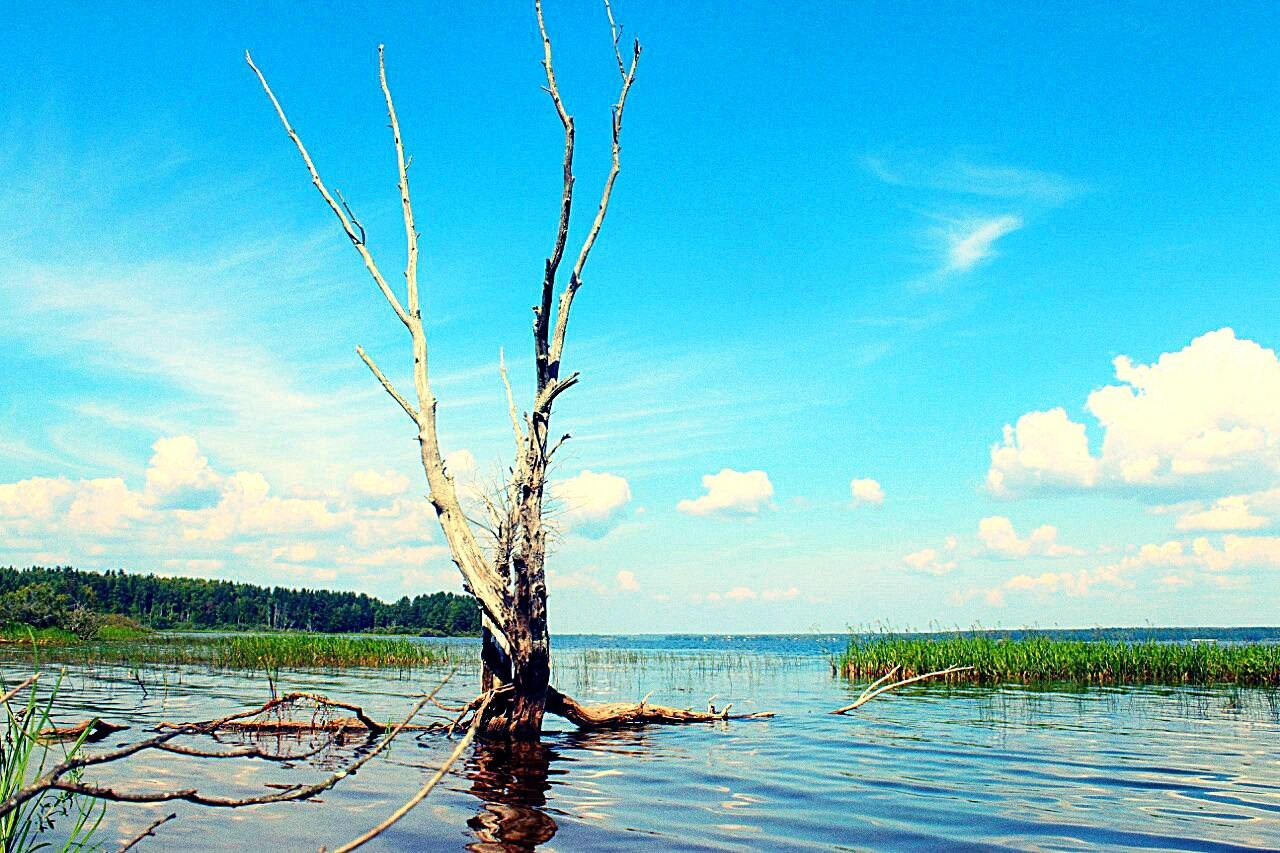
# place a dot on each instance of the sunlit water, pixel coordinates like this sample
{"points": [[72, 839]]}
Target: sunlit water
{"points": [[965, 769]]}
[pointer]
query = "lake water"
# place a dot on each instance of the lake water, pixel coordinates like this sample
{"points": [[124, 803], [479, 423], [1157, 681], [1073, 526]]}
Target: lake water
{"points": [[923, 769]]}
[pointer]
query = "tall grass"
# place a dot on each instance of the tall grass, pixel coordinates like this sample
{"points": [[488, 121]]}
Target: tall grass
{"points": [[69, 818], [1035, 660], [252, 652]]}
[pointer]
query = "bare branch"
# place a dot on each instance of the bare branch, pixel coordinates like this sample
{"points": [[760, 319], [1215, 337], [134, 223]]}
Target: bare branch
{"points": [[357, 240], [543, 312], [575, 278], [354, 221], [873, 691], [149, 832], [23, 684], [511, 400], [617, 36], [410, 232], [56, 778], [386, 383], [424, 790]]}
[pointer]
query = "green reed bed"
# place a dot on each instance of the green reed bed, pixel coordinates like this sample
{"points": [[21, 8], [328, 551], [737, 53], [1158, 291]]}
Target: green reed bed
{"points": [[1039, 660], [252, 652]]}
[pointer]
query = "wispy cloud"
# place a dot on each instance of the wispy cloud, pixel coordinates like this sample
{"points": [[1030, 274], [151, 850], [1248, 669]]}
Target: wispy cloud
{"points": [[975, 241], [968, 178]]}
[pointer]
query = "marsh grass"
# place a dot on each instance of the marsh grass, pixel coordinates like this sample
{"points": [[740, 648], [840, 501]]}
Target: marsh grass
{"points": [[248, 652], [69, 818], [1044, 660]]}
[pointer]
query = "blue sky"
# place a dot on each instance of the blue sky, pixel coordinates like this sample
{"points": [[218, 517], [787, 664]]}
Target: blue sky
{"points": [[849, 242]]}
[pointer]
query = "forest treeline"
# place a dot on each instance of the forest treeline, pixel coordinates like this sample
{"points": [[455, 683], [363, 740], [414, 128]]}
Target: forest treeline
{"points": [[195, 603]]}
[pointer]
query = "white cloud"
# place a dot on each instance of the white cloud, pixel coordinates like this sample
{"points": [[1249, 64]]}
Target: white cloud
{"points": [[1044, 449], [627, 581], [999, 538], [962, 176], [179, 477], [591, 499], [103, 505], [932, 561], [975, 241], [1229, 513], [35, 498], [380, 484], [746, 593], [248, 534], [731, 493], [461, 464], [1201, 419], [1200, 560], [866, 491]]}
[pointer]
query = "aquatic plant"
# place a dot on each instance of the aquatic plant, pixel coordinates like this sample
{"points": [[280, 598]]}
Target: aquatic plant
{"points": [[1042, 659], [24, 755], [245, 652]]}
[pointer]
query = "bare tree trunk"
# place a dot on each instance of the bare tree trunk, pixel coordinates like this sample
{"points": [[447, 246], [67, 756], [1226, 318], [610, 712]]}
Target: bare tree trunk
{"points": [[510, 582]]}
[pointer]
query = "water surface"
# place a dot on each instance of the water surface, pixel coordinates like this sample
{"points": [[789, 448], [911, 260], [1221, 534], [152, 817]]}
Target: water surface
{"points": [[928, 768]]}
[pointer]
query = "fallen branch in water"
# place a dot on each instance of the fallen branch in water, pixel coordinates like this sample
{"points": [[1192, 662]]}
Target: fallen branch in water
{"points": [[359, 720], [622, 714], [874, 689], [426, 789], [65, 776], [91, 730], [150, 831]]}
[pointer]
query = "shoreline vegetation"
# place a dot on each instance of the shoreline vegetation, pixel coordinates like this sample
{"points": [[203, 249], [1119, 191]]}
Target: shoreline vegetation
{"points": [[239, 652], [1043, 659], [38, 595]]}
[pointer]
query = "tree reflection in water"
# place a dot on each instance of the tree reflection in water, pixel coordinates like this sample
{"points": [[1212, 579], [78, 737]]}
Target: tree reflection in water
{"points": [[512, 781]]}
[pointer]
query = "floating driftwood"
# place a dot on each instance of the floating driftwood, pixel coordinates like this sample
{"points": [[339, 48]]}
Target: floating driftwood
{"points": [[91, 730]]}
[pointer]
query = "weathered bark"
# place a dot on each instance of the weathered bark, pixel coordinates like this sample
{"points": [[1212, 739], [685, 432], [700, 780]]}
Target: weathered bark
{"points": [[509, 583], [623, 714]]}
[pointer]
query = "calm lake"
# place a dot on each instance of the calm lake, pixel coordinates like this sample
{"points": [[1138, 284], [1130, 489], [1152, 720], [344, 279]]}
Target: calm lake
{"points": [[923, 769]]}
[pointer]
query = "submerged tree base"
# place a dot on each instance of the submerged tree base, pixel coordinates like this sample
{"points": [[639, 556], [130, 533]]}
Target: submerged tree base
{"points": [[1044, 660]]}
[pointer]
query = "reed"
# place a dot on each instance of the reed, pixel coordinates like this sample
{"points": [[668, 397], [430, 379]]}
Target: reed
{"points": [[53, 820], [1041, 660], [250, 652]]}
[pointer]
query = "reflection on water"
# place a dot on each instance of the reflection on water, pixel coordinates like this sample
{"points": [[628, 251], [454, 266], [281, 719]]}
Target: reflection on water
{"points": [[955, 768], [511, 782]]}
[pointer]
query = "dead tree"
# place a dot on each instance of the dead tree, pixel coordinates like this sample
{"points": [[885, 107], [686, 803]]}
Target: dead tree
{"points": [[508, 576]]}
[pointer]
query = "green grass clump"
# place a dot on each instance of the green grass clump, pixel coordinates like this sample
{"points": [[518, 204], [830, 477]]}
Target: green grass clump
{"points": [[311, 651], [51, 820], [1042, 660], [243, 652]]}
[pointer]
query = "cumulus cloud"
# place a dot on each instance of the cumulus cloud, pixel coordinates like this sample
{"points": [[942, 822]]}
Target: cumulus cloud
{"points": [[461, 464], [627, 581], [1199, 560], [379, 484], [1230, 513], [1201, 419], [245, 531], [179, 477], [1044, 449], [866, 491], [590, 500], [999, 538], [975, 241], [731, 493], [746, 593], [932, 560]]}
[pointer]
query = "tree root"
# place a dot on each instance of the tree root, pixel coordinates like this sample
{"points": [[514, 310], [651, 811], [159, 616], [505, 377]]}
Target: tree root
{"points": [[625, 714]]}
